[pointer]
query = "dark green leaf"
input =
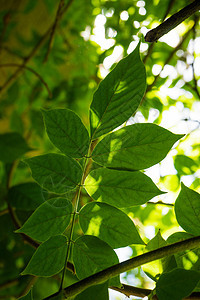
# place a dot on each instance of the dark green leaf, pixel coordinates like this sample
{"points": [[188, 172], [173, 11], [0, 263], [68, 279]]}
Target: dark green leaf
{"points": [[109, 224], [187, 210], [177, 284], [50, 218], [120, 188], [91, 255], [12, 146], [26, 196], [67, 132], [55, 172], [134, 147], [118, 95], [49, 258], [97, 292]]}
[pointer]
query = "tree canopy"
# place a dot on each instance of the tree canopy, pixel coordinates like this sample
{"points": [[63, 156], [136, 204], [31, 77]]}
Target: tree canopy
{"points": [[99, 149]]}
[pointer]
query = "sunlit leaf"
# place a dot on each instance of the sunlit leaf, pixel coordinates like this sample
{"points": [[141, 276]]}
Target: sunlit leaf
{"points": [[66, 132], [55, 172], [102, 220], [135, 147], [120, 188], [50, 218], [187, 210], [49, 258], [118, 95]]}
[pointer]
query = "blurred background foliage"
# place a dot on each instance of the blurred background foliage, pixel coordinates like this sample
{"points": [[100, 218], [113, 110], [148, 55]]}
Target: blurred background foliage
{"points": [[53, 54]]}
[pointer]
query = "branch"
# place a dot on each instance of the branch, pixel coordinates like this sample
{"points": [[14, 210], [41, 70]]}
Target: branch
{"points": [[129, 264], [58, 16], [129, 290], [32, 71], [156, 33], [33, 52]]}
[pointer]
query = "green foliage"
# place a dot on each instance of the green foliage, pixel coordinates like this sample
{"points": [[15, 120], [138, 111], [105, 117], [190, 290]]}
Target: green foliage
{"points": [[95, 219], [120, 188], [49, 258], [118, 95], [56, 173], [50, 218], [93, 189], [187, 209], [176, 284]]}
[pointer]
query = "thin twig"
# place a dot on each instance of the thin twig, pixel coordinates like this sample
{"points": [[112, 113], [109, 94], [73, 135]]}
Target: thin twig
{"points": [[33, 52], [58, 17], [156, 33], [161, 203], [32, 71]]}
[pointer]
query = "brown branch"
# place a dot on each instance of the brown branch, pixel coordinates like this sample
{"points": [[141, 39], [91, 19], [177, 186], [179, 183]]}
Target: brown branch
{"points": [[161, 203], [33, 52], [58, 17], [32, 71], [128, 265], [129, 290], [156, 33]]}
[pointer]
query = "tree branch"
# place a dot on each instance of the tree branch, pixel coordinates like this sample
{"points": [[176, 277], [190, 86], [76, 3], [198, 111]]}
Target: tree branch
{"points": [[129, 264], [58, 16], [33, 52], [156, 33], [32, 71]]}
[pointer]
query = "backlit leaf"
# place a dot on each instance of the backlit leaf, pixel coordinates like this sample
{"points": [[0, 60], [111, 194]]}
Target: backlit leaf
{"points": [[120, 188], [134, 147], [109, 224], [187, 210], [118, 95]]}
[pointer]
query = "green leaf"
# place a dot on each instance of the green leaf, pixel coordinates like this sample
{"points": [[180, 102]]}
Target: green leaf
{"points": [[120, 188], [102, 220], [26, 196], [118, 95], [134, 147], [97, 292], [158, 266], [91, 255], [67, 132], [12, 146], [187, 210], [27, 296], [177, 284], [49, 257], [50, 218], [56, 173]]}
